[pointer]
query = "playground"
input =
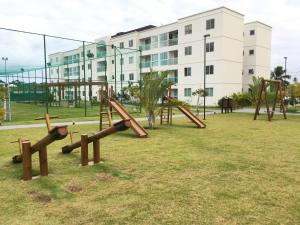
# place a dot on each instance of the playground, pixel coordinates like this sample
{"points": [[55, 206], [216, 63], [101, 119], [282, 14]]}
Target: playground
{"points": [[246, 174], [188, 167]]}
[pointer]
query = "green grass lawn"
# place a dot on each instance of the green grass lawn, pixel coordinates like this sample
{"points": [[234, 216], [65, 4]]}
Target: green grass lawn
{"points": [[236, 171]]}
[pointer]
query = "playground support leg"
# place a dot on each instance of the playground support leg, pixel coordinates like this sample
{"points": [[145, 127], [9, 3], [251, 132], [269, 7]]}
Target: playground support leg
{"points": [[27, 161], [96, 151], [43, 161], [84, 150]]}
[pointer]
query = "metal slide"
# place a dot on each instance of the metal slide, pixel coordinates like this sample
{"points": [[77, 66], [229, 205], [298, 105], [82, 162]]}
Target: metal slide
{"points": [[135, 126], [190, 115]]}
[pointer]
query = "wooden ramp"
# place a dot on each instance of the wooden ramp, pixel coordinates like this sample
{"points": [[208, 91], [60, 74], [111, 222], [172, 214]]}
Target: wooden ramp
{"points": [[135, 126], [190, 115]]}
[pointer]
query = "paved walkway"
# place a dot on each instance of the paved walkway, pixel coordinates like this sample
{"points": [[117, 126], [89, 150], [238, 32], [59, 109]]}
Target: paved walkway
{"points": [[10, 127]]}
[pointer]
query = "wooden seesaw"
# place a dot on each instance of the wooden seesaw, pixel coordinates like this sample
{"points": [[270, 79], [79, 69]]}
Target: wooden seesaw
{"points": [[56, 133], [47, 118], [85, 140]]}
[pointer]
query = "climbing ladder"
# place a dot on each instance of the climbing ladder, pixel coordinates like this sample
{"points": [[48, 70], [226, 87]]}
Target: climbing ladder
{"points": [[105, 111]]}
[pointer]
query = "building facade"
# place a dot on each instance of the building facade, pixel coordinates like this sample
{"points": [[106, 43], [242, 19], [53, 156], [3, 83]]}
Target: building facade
{"points": [[235, 52]]}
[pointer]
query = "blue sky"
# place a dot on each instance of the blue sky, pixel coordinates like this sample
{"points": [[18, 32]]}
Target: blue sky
{"points": [[89, 19]]}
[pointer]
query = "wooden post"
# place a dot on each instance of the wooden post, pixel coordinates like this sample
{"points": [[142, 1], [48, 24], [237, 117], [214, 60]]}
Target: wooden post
{"points": [[281, 100], [96, 151], [47, 119], [275, 99], [27, 162], [259, 98], [43, 161], [84, 150]]}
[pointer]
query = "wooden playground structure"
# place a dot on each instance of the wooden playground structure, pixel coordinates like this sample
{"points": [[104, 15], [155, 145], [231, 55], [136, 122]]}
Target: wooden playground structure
{"points": [[85, 140], [56, 133], [279, 94], [108, 103], [167, 112]]}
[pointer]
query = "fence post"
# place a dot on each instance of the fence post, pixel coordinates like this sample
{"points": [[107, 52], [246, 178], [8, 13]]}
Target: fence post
{"points": [[43, 161], [27, 162], [84, 150], [96, 151]]}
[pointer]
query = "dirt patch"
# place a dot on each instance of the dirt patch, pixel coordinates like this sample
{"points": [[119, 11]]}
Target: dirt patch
{"points": [[104, 176], [40, 197], [74, 188]]}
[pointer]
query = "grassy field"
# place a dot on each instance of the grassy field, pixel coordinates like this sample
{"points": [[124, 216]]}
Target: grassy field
{"points": [[236, 171]]}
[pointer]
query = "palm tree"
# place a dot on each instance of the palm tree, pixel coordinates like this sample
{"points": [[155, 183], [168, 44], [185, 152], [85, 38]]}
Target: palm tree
{"points": [[155, 85], [254, 88], [279, 74]]}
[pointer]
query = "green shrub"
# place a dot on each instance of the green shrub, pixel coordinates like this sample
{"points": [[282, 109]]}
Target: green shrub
{"points": [[242, 99]]}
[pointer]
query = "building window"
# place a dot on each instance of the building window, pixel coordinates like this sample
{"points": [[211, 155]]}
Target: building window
{"points": [[210, 24], [82, 67], [163, 58], [209, 70], [154, 59], [131, 76], [188, 50], [252, 32], [187, 71], [122, 61], [251, 52], [209, 92], [187, 92], [130, 60], [112, 77], [130, 43], [121, 44], [188, 29], [210, 47], [112, 61], [122, 77], [89, 66], [163, 40], [251, 71]]}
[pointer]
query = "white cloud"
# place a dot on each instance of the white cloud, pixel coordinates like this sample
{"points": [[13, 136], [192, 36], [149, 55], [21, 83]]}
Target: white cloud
{"points": [[89, 19]]}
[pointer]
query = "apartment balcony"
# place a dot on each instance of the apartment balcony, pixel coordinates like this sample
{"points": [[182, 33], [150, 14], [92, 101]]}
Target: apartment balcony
{"points": [[71, 61], [145, 47], [173, 41], [173, 80], [173, 61], [101, 69], [101, 78], [101, 54], [146, 64]]}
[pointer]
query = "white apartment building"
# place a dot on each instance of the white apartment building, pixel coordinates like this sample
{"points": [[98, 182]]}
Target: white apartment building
{"points": [[235, 52]]}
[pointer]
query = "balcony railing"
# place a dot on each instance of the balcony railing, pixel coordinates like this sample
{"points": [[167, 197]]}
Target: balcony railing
{"points": [[168, 42], [173, 41], [101, 54], [71, 61], [164, 62], [173, 79], [145, 64], [145, 47], [101, 69], [173, 61]]}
